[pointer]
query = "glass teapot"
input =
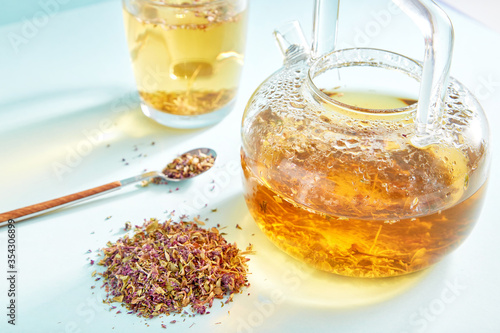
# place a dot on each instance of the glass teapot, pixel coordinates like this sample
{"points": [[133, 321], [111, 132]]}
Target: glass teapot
{"points": [[345, 170]]}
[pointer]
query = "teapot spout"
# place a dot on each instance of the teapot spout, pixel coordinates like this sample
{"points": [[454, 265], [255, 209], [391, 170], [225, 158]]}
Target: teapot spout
{"points": [[292, 42]]}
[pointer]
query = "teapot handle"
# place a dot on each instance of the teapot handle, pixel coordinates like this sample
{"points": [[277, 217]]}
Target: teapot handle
{"points": [[325, 22], [437, 29]]}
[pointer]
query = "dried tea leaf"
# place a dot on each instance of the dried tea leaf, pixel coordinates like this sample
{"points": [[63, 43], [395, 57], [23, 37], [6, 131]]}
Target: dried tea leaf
{"points": [[152, 226], [117, 298]]}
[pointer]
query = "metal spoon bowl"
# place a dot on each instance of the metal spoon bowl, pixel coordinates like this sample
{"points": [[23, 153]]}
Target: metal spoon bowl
{"points": [[27, 212]]}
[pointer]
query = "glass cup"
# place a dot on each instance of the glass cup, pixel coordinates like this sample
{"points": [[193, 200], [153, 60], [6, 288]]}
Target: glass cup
{"points": [[187, 57]]}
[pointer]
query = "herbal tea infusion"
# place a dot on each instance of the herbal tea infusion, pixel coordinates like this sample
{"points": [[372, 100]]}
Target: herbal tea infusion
{"points": [[376, 228], [334, 180], [187, 59]]}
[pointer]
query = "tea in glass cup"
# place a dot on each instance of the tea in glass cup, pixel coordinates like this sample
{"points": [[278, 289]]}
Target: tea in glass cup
{"points": [[187, 57]]}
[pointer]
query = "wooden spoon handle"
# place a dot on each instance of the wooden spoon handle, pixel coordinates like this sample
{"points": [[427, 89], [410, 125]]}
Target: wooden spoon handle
{"points": [[43, 207]]}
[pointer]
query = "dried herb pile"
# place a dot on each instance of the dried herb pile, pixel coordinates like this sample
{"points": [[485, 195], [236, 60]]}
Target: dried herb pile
{"points": [[165, 267], [188, 165]]}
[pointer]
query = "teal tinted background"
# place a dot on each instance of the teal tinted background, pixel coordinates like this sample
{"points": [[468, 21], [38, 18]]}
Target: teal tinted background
{"points": [[14, 11]]}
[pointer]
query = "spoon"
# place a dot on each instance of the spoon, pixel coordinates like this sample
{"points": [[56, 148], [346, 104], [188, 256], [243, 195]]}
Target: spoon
{"points": [[71, 199]]}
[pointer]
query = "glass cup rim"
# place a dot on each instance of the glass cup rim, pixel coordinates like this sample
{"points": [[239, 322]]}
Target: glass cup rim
{"points": [[160, 3], [315, 67]]}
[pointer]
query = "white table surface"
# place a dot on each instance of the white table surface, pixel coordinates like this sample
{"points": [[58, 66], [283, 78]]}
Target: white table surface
{"points": [[66, 81]]}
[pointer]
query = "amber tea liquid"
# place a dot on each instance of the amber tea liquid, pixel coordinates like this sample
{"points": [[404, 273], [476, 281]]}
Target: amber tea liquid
{"points": [[186, 62], [354, 214]]}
